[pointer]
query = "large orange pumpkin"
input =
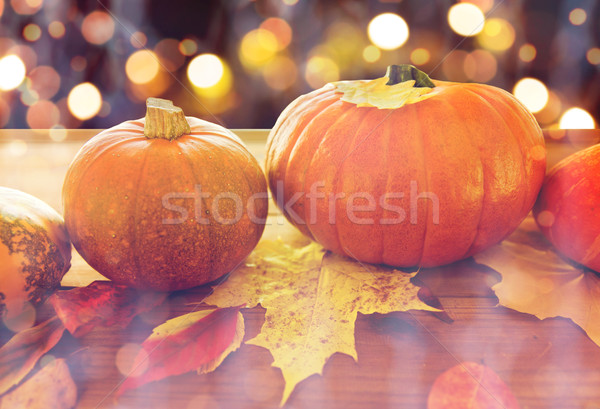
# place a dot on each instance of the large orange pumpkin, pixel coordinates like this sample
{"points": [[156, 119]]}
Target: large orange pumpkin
{"points": [[404, 170], [568, 207], [35, 251], [165, 202]]}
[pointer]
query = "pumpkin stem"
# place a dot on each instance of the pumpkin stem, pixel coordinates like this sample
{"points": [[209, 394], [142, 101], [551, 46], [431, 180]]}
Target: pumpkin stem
{"points": [[405, 72], [164, 120]]}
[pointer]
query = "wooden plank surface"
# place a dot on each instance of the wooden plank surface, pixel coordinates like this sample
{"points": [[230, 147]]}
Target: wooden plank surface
{"points": [[547, 364]]}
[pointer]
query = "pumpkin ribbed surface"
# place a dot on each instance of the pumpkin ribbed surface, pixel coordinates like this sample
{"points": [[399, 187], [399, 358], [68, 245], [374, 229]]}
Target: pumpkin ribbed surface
{"points": [[473, 149]]}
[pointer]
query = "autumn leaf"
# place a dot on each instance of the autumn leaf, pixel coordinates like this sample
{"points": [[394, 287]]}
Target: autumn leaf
{"points": [[469, 385], [312, 298], [51, 387], [537, 281], [101, 303], [20, 354], [197, 341]]}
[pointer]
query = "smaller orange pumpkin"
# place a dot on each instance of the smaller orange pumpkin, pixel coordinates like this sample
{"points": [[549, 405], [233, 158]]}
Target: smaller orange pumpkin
{"points": [[567, 209], [35, 251]]}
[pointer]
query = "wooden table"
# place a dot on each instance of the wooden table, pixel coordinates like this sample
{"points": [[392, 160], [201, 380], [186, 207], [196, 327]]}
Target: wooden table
{"points": [[547, 364]]}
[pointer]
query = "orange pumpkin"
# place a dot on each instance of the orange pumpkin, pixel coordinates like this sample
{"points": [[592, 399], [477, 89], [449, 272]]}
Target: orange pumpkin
{"points": [[567, 208], [35, 251], [404, 170], [165, 202]]}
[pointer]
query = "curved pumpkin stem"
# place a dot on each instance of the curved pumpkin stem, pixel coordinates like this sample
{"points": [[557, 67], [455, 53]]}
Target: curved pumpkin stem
{"points": [[164, 120], [406, 72]]}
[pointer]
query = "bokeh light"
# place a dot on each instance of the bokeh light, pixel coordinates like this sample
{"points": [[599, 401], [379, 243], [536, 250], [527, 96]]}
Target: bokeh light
{"points": [[453, 66], [532, 93], [497, 35], [551, 111], [371, 53], [138, 39], [12, 72], [480, 66], [576, 118], [142, 66], [187, 46], [58, 133], [466, 19], [43, 115], [78, 63], [593, 56], [257, 48], [527, 52], [56, 29], [45, 81], [205, 70], [577, 16], [420, 56], [32, 32], [388, 31], [210, 75], [280, 73], [320, 71], [98, 27], [84, 101], [280, 29], [168, 53], [4, 113], [26, 7]]}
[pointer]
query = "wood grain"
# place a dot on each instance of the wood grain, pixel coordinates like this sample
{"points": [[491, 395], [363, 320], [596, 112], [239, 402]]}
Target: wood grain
{"points": [[547, 364]]}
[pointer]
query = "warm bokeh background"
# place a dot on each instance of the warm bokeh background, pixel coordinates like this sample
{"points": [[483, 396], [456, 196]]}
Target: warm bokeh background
{"points": [[92, 63]]}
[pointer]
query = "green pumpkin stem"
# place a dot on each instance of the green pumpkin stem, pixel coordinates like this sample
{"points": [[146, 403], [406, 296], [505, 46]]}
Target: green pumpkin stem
{"points": [[164, 120], [405, 72]]}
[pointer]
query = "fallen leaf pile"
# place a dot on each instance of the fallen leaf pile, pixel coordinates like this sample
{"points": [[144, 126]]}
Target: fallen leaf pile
{"points": [[538, 281], [312, 298], [470, 385]]}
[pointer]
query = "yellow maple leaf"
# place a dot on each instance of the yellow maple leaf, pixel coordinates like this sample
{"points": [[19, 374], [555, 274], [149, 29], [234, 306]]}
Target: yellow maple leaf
{"points": [[537, 281], [312, 298], [376, 93]]}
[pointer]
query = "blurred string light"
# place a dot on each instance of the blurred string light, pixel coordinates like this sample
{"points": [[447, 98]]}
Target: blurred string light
{"points": [[78, 63], [257, 48], [320, 71], [484, 5], [497, 35], [42, 115], [532, 93], [420, 56], [576, 118], [84, 101], [593, 56], [210, 75], [56, 29], [280, 73], [280, 29], [480, 66], [142, 66], [45, 81], [577, 16], [466, 19], [138, 39], [289, 2], [527, 52], [26, 7], [97, 27], [188, 47], [12, 72], [168, 53], [371, 53], [32, 32], [388, 31], [551, 111]]}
